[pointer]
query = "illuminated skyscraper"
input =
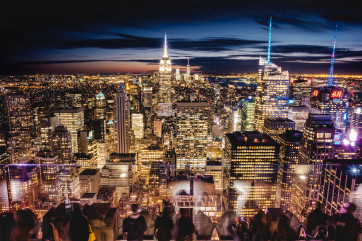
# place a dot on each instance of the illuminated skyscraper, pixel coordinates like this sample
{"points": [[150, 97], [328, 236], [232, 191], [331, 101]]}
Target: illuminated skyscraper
{"points": [[188, 72], [271, 99], [138, 125], [21, 125], [272, 92], [247, 114], [61, 144], [316, 146], [165, 74], [100, 111], [191, 134], [250, 172], [122, 122], [147, 97], [289, 153], [73, 120], [275, 127]]}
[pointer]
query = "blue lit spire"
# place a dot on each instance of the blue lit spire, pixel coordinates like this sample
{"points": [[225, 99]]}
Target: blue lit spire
{"points": [[269, 43], [330, 82], [165, 47]]}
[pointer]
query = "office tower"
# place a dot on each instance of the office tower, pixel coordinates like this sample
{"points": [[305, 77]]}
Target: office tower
{"points": [[271, 99], [122, 122], [158, 177], [340, 181], [20, 121], [235, 119], [82, 138], [48, 176], [147, 97], [73, 119], [69, 182], [288, 159], [61, 144], [118, 172], [102, 153], [316, 146], [247, 114], [100, 111], [147, 156], [214, 169], [332, 101], [274, 127], [138, 125], [164, 94], [89, 181], [354, 125], [300, 91], [84, 160], [47, 126], [99, 129], [178, 75], [298, 114], [192, 124], [272, 92], [250, 172]]}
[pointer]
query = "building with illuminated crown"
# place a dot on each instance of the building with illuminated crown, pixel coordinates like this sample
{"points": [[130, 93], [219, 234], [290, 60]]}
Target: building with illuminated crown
{"points": [[122, 122], [165, 75]]}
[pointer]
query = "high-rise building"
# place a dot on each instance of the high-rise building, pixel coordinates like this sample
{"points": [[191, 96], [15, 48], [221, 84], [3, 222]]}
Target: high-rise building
{"points": [[73, 119], [165, 74], [147, 156], [138, 125], [274, 127], [122, 122], [178, 75], [61, 144], [188, 71], [298, 114], [147, 97], [271, 99], [288, 159], [247, 114], [49, 176], [47, 126], [20, 121], [316, 146], [100, 111], [250, 172], [192, 123], [89, 181]]}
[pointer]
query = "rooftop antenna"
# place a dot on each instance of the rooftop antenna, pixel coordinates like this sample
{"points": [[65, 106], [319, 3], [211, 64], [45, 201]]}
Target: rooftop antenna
{"points": [[165, 47], [330, 82], [269, 43]]}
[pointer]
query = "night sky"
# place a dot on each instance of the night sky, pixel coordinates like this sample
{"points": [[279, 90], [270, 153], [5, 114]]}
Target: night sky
{"points": [[217, 36]]}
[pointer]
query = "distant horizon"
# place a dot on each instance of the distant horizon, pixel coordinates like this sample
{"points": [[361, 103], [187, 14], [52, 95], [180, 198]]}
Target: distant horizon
{"points": [[218, 38]]}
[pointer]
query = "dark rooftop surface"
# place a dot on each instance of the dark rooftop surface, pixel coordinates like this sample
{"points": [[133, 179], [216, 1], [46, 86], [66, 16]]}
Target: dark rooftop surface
{"points": [[89, 172]]}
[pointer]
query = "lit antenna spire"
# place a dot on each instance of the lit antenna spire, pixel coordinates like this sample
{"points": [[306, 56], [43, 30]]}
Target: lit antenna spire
{"points": [[188, 61], [269, 43], [165, 47], [330, 82]]}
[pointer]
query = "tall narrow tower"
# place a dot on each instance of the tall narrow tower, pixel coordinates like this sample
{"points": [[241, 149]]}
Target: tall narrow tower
{"points": [[271, 100], [122, 122], [269, 42], [330, 82], [164, 94], [188, 70]]}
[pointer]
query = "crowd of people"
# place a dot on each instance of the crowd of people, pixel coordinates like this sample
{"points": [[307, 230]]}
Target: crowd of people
{"points": [[69, 223]]}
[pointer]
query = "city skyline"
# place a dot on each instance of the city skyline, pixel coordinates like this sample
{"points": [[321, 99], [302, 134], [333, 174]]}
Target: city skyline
{"points": [[218, 38]]}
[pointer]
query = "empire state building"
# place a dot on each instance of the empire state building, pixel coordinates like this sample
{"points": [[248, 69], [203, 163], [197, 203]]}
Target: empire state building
{"points": [[164, 94]]}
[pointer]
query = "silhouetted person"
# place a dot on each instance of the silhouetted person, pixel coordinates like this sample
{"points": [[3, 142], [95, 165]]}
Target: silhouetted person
{"points": [[315, 218], [66, 225], [25, 223], [239, 230], [164, 226], [260, 230], [284, 231], [185, 226], [347, 226], [134, 225], [7, 222]]}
